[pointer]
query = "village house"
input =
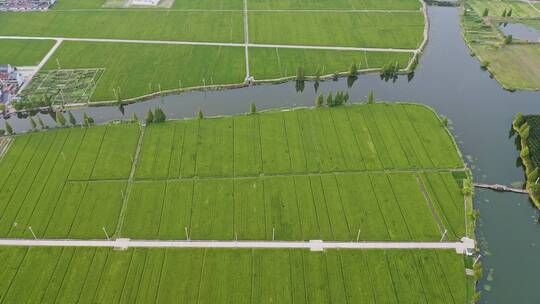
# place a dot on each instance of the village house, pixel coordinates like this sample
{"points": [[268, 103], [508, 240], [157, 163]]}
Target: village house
{"points": [[25, 5], [10, 82]]}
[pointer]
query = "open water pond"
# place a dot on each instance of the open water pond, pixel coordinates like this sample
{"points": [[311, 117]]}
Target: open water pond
{"points": [[520, 31]]}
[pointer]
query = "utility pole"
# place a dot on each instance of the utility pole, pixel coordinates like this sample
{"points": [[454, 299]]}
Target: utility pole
{"points": [[476, 260], [444, 234], [273, 233], [358, 235], [106, 234], [187, 234], [32, 231]]}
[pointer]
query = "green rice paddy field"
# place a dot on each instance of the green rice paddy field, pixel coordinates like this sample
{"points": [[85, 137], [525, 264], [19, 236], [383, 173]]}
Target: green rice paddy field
{"points": [[24, 52], [90, 275], [149, 65], [307, 173], [373, 29], [140, 69]]}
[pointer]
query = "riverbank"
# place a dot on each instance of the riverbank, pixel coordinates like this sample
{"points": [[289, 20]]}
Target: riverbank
{"points": [[528, 129]]}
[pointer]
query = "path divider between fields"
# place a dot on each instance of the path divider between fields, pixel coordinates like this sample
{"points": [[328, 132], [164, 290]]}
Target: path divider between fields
{"points": [[466, 246]]}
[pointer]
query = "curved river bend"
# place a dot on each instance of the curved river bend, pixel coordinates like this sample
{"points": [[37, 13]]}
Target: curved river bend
{"points": [[451, 81]]}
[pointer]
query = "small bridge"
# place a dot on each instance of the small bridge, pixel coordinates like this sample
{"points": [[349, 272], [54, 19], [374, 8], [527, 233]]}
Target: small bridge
{"points": [[502, 188]]}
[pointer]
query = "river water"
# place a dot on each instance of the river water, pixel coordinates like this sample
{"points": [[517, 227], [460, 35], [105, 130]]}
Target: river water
{"points": [[451, 81]]}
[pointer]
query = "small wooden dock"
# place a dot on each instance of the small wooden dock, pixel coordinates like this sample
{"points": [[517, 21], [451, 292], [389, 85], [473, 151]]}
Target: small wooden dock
{"points": [[502, 188]]}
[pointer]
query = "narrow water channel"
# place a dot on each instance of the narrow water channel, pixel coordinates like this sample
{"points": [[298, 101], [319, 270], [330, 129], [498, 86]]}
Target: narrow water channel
{"points": [[451, 81]]}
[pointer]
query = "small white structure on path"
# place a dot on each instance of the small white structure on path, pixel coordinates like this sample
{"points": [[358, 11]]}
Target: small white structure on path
{"points": [[145, 2]]}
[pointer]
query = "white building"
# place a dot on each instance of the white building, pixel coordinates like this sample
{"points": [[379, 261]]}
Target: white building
{"points": [[145, 2]]}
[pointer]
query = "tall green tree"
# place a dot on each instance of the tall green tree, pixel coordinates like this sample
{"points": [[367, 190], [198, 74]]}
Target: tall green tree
{"points": [[300, 74], [200, 115], [353, 71], [32, 123], [40, 123], [72, 119], [9, 129], [504, 13], [320, 100], [149, 117], [486, 12], [60, 119], [330, 100], [159, 115], [509, 14], [134, 117], [518, 120], [87, 120], [370, 98], [253, 108]]}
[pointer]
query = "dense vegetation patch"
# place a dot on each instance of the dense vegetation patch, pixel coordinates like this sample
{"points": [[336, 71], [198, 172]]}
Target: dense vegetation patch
{"points": [[528, 128]]}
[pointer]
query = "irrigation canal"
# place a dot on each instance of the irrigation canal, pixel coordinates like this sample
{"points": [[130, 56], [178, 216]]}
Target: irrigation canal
{"points": [[451, 81]]}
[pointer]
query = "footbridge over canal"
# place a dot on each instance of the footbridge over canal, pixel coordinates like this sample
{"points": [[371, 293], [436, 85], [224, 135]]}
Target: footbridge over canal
{"points": [[502, 188]]}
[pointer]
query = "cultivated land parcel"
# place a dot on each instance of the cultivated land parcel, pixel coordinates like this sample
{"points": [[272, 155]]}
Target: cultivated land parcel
{"points": [[99, 275], [515, 65], [391, 170], [307, 174], [204, 43]]}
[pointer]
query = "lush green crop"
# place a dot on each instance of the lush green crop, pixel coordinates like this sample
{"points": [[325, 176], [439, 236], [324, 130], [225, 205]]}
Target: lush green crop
{"points": [[298, 175], [393, 30], [91, 275], [24, 52]]}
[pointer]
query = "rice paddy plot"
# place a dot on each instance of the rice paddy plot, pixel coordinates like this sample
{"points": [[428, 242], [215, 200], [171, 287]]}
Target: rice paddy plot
{"points": [[300, 174], [273, 63], [392, 30], [334, 5], [132, 70], [127, 24], [62, 86], [23, 52], [386, 206], [219, 276]]}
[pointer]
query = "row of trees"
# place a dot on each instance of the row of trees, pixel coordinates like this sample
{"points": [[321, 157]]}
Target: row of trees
{"points": [[532, 172], [505, 13], [155, 116], [301, 73], [37, 123], [339, 99]]}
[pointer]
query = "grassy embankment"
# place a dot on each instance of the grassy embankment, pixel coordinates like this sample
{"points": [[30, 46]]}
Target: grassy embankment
{"points": [[528, 129], [515, 65]]}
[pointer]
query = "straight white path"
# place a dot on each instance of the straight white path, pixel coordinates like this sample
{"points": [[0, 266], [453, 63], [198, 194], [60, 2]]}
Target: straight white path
{"points": [[246, 41], [169, 42], [42, 63], [314, 245], [242, 10]]}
